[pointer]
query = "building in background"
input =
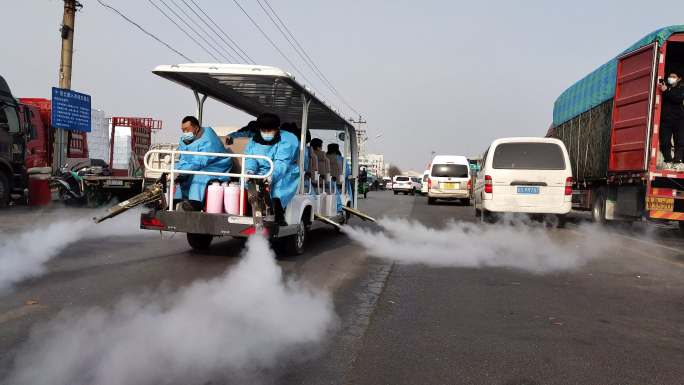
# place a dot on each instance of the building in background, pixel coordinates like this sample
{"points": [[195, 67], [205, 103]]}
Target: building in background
{"points": [[374, 163]]}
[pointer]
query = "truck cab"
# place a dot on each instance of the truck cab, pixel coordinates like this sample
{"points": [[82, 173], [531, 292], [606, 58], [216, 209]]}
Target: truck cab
{"points": [[12, 144]]}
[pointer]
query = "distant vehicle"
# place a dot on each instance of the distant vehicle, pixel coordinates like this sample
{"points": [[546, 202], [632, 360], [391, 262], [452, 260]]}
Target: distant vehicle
{"points": [[386, 183], [524, 175], [424, 184], [610, 120], [403, 184], [449, 179], [417, 184]]}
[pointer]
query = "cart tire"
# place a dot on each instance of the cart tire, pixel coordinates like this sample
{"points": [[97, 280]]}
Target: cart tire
{"points": [[199, 241], [297, 243], [4, 190]]}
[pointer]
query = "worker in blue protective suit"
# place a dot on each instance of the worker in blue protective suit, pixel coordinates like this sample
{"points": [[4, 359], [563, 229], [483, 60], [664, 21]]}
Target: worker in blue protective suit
{"points": [[282, 148], [338, 169], [198, 139], [297, 132]]}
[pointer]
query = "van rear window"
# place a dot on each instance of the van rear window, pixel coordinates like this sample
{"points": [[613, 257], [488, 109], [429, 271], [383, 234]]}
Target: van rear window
{"points": [[528, 156], [402, 179], [449, 171]]}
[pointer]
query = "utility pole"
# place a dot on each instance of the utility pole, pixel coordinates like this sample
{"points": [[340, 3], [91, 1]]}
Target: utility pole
{"points": [[67, 34], [361, 136]]}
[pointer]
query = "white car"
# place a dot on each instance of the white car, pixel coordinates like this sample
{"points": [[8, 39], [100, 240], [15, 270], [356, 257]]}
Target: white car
{"points": [[524, 175], [424, 185], [403, 184], [386, 183], [449, 179]]}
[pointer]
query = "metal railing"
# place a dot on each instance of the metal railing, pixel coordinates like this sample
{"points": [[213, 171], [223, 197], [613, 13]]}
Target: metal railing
{"points": [[172, 170]]}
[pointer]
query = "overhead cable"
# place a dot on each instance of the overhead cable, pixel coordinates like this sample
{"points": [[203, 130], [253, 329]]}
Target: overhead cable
{"points": [[237, 49], [150, 34]]}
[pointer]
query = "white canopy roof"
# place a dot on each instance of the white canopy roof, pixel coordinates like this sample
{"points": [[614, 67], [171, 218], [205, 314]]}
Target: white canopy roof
{"points": [[256, 89]]}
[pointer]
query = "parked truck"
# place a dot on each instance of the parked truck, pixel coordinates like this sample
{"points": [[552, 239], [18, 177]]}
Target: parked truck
{"points": [[609, 123], [26, 148]]}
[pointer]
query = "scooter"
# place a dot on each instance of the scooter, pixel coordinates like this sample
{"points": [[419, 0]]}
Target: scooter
{"points": [[70, 183]]}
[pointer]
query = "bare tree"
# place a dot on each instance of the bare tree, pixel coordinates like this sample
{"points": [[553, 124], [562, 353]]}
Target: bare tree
{"points": [[394, 171]]}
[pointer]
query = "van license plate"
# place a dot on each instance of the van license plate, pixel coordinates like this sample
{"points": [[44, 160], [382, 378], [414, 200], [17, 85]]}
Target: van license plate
{"points": [[528, 190], [450, 186], [114, 182]]}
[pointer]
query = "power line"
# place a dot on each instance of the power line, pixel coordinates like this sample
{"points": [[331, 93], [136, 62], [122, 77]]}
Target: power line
{"points": [[232, 58], [272, 43], [242, 53], [144, 30], [183, 29], [304, 55]]}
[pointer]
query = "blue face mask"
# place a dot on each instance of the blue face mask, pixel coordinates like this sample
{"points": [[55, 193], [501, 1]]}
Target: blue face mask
{"points": [[188, 136], [267, 137]]}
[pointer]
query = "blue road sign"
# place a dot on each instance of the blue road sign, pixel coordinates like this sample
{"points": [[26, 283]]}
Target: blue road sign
{"points": [[70, 110]]}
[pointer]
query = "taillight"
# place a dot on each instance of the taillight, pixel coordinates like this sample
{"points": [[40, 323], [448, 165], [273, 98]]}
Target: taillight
{"points": [[470, 184], [489, 188], [429, 183], [151, 222], [251, 230], [568, 186]]}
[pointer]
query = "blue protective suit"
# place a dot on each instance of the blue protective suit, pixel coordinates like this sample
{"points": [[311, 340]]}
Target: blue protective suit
{"points": [[194, 186], [284, 153], [350, 190]]}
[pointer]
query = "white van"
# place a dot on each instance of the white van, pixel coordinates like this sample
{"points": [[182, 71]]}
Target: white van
{"points": [[424, 184], [524, 175], [449, 179]]}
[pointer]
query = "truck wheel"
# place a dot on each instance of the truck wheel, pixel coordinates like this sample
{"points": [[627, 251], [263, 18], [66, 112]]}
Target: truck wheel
{"points": [[4, 190], [297, 242], [199, 241], [431, 201], [598, 209], [465, 202]]}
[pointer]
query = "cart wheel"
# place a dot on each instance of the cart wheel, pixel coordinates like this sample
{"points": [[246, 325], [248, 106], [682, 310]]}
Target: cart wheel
{"points": [[199, 241], [296, 243]]}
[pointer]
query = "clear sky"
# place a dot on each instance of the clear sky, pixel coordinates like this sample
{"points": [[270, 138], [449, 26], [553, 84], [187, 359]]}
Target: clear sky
{"points": [[447, 76]]}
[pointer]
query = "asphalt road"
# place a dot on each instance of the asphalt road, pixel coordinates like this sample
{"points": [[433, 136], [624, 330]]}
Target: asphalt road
{"points": [[617, 320]]}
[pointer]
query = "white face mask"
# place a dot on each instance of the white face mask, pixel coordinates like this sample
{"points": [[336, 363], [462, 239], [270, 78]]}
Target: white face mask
{"points": [[267, 137], [672, 81]]}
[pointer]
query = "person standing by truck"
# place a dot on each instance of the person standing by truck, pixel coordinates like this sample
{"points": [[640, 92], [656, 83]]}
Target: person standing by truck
{"points": [[672, 119]]}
